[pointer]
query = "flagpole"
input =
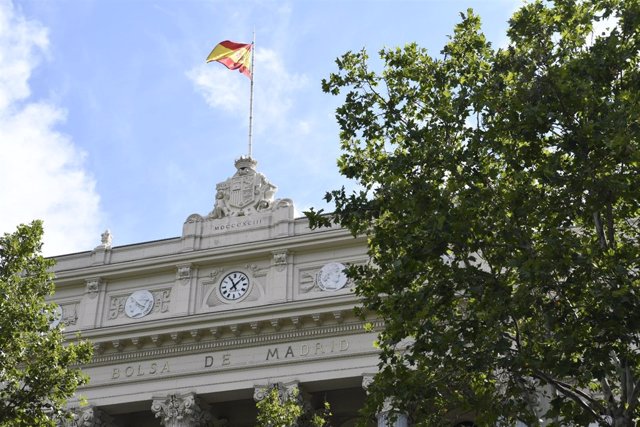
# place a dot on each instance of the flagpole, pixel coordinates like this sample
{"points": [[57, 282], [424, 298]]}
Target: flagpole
{"points": [[253, 49]]}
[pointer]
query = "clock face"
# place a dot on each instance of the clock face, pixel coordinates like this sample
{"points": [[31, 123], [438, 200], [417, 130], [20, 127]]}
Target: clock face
{"points": [[234, 285]]}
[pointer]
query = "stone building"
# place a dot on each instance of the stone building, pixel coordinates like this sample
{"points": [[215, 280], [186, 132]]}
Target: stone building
{"points": [[190, 331]]}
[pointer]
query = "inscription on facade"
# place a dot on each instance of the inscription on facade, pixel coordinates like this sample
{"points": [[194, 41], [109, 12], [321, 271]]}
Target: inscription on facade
{"points": [[228, 360], [305, 350], [141, 370], [223, 360], [241, 224]]}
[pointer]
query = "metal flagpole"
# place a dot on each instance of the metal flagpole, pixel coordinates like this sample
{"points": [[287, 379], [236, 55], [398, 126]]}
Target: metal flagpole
{"points": [[253, 49]]}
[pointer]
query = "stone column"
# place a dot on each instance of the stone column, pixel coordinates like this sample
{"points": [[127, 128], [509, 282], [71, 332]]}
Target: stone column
{"points": [[383, 416], [181, 410]]}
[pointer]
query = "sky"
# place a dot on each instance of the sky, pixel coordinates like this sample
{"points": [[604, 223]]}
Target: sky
{"points": [[110, 118]]}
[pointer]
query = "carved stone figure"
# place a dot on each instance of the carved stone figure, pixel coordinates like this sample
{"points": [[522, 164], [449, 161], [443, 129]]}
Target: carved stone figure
{"points": [[106, 238]]}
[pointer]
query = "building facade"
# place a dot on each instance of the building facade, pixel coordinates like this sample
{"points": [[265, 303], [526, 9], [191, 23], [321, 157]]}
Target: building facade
{"points": [[192, 330]]}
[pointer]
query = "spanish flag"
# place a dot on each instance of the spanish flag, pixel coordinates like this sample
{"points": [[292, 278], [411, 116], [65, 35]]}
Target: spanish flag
{"points": [[235, 56]]}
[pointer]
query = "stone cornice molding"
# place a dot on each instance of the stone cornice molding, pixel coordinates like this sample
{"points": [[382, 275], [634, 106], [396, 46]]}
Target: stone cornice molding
{"points": [[237, 252], [338, 306], [213, 344]]}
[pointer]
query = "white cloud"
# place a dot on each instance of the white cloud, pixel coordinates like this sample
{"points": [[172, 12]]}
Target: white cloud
{"points": [[219, 87], [41, 170], [227, 90]]}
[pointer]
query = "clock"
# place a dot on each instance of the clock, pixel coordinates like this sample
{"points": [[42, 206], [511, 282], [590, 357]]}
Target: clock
{"points": [[139, 304], [234, 285]]}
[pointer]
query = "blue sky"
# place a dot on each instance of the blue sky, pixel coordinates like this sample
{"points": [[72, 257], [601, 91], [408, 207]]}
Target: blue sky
{"points": [[109, 117]]}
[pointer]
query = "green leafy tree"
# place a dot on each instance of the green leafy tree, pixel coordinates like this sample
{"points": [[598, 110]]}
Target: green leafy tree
{"points": [[284, 408], [38, 370], [499, 190]]}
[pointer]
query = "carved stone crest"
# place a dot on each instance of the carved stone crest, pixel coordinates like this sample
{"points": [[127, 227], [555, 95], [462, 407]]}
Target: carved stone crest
{"points": [[246, 192]]}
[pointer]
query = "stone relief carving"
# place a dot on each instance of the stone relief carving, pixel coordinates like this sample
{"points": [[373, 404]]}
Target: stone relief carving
{"points": [[161, 301], [280, 259], [257, 271], [68, 313], [93, 286], [214, 273], [183, 273], [330, 277], [246, 193], [139, 304], [181, 410]]}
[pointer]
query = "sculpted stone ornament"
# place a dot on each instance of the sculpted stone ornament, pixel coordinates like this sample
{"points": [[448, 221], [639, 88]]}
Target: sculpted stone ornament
{"points": [[245, 193], [88, 417], [180, 410], [332, 277], [93, 286], [139, 304]]}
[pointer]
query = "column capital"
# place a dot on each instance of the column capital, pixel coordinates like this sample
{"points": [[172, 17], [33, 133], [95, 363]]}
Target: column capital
{"points": [[287, 390], [367, 379], [180, 410], [90, 416]]}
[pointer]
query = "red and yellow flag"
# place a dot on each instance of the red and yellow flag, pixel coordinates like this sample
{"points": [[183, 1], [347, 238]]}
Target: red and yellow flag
{"points": [[235, 56]]}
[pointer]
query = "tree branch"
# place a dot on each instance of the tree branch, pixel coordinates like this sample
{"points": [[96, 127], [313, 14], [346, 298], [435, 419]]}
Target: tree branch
{"points": [[578, 396]]}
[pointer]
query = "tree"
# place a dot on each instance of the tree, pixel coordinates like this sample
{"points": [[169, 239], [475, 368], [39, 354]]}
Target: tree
{"points": [[283, 407], [38, 369], [499, 190]]}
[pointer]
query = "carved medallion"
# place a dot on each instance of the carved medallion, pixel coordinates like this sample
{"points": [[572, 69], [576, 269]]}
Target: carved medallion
{"points": [[139, 304], [332, 277]]}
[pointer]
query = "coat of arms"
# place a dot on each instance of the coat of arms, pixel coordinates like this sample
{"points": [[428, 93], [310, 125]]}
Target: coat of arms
{"points": [[247, 191]]}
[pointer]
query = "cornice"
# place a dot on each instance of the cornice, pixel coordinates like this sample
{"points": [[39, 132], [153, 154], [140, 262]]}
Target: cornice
{"points": [[221, 254], [237, 342]]}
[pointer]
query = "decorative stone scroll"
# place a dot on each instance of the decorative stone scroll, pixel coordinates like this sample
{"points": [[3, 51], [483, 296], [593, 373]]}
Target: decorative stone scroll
{"points": [[181, 410], [161, 301]]}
